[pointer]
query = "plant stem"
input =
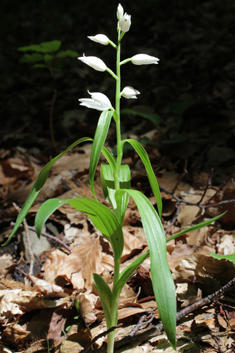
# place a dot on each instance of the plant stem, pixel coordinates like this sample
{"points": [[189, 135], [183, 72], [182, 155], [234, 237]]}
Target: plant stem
{"points": [[115, 297], [117, 108], [110, 343]]}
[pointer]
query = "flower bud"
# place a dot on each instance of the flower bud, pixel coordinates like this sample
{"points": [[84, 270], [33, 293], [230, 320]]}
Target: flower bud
{"points": [[94, 62], [100, 38], [120, 11], [125, 23], [144, 59], [98, 101], [129, 92]]}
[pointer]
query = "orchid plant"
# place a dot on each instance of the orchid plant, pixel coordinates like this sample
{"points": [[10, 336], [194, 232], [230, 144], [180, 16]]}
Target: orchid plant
{"points": [[115, 178]]}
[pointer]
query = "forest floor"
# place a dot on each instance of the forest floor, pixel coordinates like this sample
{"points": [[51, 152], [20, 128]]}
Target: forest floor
{"points": [[185, 120]]}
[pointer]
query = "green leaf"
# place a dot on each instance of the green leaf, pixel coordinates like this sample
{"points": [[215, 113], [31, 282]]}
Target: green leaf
{"points": [[32, 47], [163, 284], [31, 58], [105, 297], [48, 57], [110, 158], [52, 46], [151, 176], [68, 52], [197, 226], [128, 272], [155, 118], [38, 184], [99, 140], [226, 257], [45, 47], [101, 216], [107, 180], [40, 66]]}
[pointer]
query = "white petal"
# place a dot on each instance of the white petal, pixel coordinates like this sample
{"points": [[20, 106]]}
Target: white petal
{"points": [[125, 23], [94, 62], [100, 38], [98, 101], [120, 11], [144, 59], [129, 92]]}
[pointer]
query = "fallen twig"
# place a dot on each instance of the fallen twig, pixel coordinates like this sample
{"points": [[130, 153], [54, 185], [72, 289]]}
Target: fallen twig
{"points": [[154, 330], [48, 236], [200, 204], [221, 187]]}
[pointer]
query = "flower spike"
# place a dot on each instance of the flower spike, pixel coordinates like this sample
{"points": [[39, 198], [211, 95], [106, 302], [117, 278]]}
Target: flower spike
{"points": [[98, 101], [94, 62]]}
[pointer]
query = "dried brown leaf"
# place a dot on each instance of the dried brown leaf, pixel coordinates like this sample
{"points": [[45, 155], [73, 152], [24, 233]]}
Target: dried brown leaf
{"points": [[201, 266], [5, 261], [85, 258], [15, 335], [56, 327], [86, 309]]}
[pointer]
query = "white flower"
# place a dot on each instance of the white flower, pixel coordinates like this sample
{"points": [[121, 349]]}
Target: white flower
{"points": [[125, 23], [120, 11], [129, 92], [100, 38], [98, 101], [144, 59], [94, 62]]}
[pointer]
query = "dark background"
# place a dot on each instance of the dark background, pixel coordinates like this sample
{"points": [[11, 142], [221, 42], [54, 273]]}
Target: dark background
{"points": [[192, 89]]}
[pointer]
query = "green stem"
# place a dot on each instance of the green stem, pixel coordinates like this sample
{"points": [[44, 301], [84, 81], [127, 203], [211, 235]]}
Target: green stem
{"points": [[115, 296], [114, 307], [111, 73], [118, 123], [125, 61]]}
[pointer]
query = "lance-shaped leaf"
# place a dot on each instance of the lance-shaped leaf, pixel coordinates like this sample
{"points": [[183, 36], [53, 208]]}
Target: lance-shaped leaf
{"points": [[101, 216], [226, 257], [107, 180], [151, 176], [110, 158], [37, 186], [163, 284], [99, 140], [197, 226], [105, 297]]}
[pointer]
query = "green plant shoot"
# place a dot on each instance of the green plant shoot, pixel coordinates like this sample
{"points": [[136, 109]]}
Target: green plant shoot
{"points": [[46, 55], [116, 186]]}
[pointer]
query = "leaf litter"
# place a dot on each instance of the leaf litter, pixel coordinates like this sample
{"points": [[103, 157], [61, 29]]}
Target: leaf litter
{"points": [[40, 309]]}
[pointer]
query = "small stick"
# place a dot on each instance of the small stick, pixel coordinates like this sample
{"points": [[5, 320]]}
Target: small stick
{"points": [[142, 323], [48, 236], [190, 203], [221, 186], [206, 188], [173, 220], [26, 229]]}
